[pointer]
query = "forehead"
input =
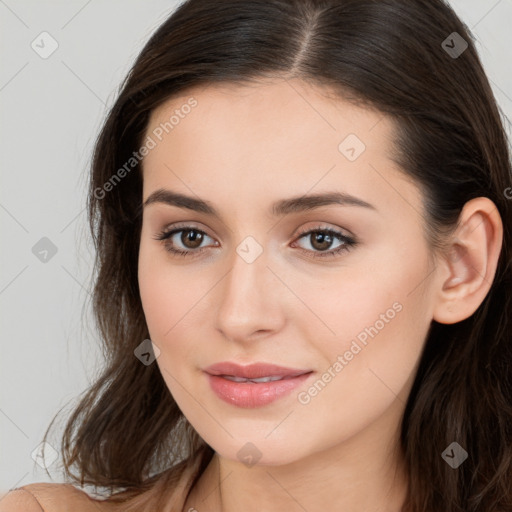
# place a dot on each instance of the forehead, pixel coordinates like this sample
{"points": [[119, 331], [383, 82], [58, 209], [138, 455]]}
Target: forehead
{"points": [[264, 125], [269, 103], [282, 138]]}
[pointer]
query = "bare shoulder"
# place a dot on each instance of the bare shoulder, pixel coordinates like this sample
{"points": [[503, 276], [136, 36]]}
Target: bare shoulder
{"points": [[19, 500], [50, 497]]}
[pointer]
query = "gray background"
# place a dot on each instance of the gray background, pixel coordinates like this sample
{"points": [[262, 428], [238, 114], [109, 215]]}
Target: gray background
{"points": [[51, 112]]}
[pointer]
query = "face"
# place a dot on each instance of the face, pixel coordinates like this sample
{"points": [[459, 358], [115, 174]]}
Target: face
{"points": [[337, 291]]}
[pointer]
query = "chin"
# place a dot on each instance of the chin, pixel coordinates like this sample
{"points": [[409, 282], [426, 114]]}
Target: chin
{"points": [[260, 453]]}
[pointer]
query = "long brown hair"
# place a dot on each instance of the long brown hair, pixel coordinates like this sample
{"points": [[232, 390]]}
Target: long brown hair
{"points": [[401, 57]]}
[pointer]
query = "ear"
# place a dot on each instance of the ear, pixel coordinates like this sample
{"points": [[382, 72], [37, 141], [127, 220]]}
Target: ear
{"points": [[467, 268]]}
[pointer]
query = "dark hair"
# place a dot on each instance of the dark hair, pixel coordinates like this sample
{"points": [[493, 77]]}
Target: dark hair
{"points": [[127, 433]]}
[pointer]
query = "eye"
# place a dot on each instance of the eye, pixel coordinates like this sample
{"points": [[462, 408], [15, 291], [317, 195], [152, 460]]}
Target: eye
{"points": [[323, 238], [191, 239]]}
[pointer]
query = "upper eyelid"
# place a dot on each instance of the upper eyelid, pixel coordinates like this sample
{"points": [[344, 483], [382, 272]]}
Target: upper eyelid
{"points": [[303, 230], [341, 231], [184, 227]]}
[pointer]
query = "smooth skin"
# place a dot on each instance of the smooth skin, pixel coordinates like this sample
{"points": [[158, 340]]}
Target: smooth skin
{"points": [[242, 148]]}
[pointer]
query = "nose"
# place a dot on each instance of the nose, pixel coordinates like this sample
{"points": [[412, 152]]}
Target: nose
{"points": [[250, 301]]}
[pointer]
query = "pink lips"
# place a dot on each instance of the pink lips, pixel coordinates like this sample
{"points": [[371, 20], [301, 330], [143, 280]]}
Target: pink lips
{"points": [[250, 394]]}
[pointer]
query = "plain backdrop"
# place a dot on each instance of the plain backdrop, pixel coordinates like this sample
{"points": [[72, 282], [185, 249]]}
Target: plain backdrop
{"points": [[51, 111]]}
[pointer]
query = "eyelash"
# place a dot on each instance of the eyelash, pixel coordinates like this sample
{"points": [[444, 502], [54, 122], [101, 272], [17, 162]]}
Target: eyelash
{"points": [[348, 243]]}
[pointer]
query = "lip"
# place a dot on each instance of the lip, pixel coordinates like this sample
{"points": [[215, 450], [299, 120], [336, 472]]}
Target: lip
{"points": [[254, 370], [253, 394]]}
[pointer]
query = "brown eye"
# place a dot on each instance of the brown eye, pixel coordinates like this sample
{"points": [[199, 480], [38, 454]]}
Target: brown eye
{"points": [[321, 240], [191, 238], [188, 243]]}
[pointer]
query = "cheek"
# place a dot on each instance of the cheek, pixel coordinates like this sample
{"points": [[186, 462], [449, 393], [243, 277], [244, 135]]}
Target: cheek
{"points": [[368, 366], [156, 296], [348, 305], [165, 310], [387, 291], [375, 317], [165, 292], [174, 312]]}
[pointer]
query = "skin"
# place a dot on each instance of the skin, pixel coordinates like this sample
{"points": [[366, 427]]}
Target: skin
{"points": [[242, 148]]}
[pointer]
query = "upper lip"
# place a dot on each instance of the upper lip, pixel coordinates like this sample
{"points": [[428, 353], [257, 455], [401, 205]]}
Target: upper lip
{"points": [[254, 370]]}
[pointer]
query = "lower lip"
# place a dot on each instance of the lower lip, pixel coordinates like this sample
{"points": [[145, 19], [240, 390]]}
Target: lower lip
{"points": [[254, 394]]}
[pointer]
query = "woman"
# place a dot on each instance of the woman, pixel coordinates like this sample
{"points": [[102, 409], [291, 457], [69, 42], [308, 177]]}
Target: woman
{"points": [[302, 218]]}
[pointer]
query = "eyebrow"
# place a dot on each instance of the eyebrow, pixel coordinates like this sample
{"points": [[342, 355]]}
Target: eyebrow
{"points": [[279, 208]]}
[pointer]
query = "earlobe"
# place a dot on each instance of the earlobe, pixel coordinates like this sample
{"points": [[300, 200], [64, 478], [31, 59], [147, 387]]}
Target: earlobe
{"points": [[468, 267]]}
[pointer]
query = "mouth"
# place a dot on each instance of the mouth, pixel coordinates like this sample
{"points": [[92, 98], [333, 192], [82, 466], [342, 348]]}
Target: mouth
{"points": [[253, 385], [254, 371], [261, 379]]}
